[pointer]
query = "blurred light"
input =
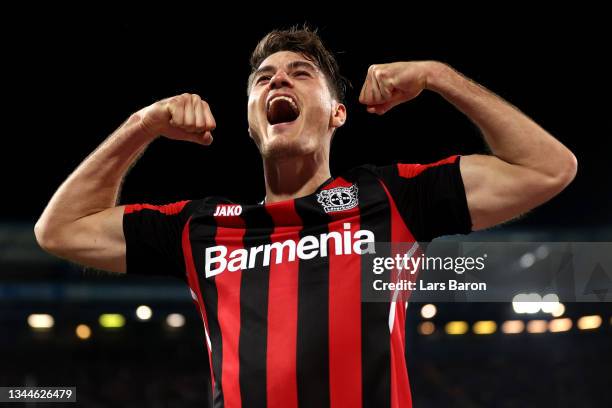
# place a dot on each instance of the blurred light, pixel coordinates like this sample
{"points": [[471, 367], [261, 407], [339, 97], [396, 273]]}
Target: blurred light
{"points": [[428, 311], [83, 331], [551, 297], [456, 327], [518, 302], [484, 327], [542, 252], [527, 260], [537, 326], [533, 304], [112, 320], [589, 322], [549, 302], [560, 325], [559, 310], [41, 321], [426, 328], [527, 303], [175, 320], [144, 312], [513, 326]]}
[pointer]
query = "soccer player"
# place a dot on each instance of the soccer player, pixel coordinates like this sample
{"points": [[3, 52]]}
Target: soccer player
{"points": [[278, 284]]}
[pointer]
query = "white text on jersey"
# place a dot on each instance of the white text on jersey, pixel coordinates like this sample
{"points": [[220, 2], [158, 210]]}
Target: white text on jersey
{"points": [[308, 247], [228, 210]]}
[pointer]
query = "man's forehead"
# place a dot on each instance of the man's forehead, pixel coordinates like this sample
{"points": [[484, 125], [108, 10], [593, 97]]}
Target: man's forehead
{"points": [[284, 59]]}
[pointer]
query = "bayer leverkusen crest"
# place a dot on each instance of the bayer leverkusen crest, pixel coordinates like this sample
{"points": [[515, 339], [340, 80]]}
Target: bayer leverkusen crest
{"points": [[338, 199]]}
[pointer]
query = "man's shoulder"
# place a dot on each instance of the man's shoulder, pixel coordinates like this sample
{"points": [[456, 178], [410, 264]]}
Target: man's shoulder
{"points": [[404, 170]]}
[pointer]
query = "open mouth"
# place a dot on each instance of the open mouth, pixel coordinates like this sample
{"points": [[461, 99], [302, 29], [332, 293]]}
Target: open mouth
{"points": [[282, 109]]}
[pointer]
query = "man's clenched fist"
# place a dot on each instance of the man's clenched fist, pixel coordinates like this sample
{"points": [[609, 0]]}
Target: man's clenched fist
{"points": [[182, 117], [388, 85]]}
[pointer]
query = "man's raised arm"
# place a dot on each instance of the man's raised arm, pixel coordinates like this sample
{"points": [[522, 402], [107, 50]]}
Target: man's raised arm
{"points": [[82, 223], [528, 165]]}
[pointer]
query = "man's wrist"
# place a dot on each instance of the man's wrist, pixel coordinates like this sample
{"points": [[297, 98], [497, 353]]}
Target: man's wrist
{"points": [[438, 75], [141, 128]]}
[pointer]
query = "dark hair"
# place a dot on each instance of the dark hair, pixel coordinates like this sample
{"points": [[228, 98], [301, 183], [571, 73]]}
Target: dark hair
{"points": [[304, 41]]}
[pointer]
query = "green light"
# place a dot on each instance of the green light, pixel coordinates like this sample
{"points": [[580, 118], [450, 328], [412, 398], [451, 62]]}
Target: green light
{"points": [[112, 320]]}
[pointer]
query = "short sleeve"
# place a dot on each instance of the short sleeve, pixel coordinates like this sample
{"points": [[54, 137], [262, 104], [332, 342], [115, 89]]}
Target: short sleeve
{"points": [[430, 197], [153, 237]]}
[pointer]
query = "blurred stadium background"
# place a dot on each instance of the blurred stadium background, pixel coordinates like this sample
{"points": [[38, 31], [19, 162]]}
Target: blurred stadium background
{"points": [[129, 341], [126, 341]]}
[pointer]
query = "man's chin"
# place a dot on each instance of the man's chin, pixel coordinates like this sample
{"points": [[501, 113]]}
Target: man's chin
{"points": [[280, 146]]}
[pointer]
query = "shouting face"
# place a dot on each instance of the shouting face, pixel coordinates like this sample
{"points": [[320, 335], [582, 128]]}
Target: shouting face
{"points": [[291, 110]]}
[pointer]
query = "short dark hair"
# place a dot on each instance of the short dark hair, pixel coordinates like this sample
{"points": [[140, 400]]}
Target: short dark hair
{"points": [[303, 40]]}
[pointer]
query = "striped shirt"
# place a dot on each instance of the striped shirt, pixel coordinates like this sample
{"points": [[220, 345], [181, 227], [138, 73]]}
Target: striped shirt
{"points": [[278, 285]]}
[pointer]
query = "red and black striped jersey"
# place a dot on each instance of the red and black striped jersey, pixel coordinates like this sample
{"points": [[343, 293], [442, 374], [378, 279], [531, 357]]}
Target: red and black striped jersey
{"points": [[278, 285]]}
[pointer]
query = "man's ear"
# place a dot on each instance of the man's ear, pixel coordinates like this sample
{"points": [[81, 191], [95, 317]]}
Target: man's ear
{"points": [[338, 115]]}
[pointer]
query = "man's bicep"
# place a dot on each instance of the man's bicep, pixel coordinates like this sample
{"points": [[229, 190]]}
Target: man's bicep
{"points": [[98, 240], [498, 191]]}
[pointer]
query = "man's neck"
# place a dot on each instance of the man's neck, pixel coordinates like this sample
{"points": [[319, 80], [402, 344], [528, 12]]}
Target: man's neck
{"points": [[295, 177]]}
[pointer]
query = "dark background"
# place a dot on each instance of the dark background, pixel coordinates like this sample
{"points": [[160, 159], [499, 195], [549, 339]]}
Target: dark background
{"points": [[73, 76], [78, 78]]}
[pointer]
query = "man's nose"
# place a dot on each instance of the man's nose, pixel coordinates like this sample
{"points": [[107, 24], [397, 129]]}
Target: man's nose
{"points": [[280, 80]]}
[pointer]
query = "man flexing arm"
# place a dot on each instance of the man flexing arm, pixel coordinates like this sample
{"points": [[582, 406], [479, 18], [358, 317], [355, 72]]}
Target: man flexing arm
{"points": [[528, 165], [82, 222]]}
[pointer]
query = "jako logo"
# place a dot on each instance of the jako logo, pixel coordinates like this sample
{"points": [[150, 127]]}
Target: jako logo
{"points": [[346, 242], [228, 210]]}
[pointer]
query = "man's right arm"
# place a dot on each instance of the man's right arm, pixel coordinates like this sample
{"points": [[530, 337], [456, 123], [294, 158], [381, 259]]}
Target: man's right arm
{"points": [[82, 223]]}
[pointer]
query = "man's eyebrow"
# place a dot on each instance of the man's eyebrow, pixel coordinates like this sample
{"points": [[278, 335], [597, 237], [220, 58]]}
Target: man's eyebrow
{"points": [[302, 64], [265, 68], [291, 65]]}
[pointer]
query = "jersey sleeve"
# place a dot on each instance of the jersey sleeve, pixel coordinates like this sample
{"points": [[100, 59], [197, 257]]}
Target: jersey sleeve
{"points": [[153, 238], [430, 197]]}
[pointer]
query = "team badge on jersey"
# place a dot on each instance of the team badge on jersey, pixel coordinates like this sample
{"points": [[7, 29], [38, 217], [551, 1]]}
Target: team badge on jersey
{"points": [[338, 199]]}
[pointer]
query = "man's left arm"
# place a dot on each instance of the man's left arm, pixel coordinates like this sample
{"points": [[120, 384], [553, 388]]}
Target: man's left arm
{"points": [[527, 167]]}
